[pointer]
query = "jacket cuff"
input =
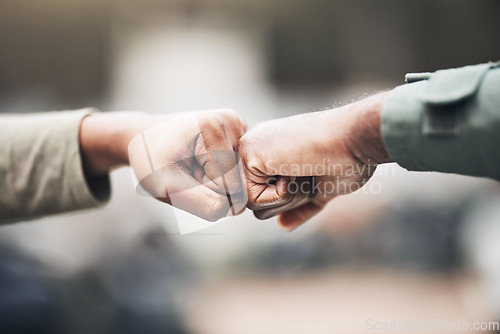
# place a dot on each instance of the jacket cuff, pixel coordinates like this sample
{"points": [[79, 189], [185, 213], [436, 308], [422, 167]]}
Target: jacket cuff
{"points": [[401, 125], [445, 121], [85, 193], [41, 167]]}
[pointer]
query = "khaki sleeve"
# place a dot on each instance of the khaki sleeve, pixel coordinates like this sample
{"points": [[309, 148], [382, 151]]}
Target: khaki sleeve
{"points": [[447, 121], [41, 170]]}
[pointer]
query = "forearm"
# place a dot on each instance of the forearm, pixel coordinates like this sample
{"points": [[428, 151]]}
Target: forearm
{"points": [[317, 143]]}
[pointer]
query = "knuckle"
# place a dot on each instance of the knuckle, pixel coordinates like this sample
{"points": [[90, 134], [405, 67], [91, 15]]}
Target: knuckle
{"points": [[216, 126], [229, 113], [245, 147], [231, 117]]}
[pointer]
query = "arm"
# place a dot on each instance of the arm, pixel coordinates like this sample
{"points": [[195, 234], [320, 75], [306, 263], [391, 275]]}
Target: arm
{"points": [[59, 162], [339, 148], [40, 166], [448, 121], [187, 160]]}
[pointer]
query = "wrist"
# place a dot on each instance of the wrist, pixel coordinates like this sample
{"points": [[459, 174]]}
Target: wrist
{"points": [[104, 139], [365, 135]]}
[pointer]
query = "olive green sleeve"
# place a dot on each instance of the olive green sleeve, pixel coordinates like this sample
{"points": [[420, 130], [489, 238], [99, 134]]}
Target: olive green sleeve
{"points": [[447, 121], [41, 169]]}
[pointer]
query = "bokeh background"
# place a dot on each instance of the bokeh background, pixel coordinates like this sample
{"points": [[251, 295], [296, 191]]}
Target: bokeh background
{"points": [[411, 246]]}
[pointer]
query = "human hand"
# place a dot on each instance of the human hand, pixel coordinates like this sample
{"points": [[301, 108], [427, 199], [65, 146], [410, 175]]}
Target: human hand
{"points": [[187, 160], [294, 166]]}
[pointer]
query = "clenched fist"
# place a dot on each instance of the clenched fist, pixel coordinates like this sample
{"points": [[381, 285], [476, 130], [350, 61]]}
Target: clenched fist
{"points": [[294, 166], [188, 160]]}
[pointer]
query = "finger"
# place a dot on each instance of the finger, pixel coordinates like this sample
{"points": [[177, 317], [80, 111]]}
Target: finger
{"points": [[292, 219], [240, 200], [234, 124], [202, 202], [186, 193], [243, 127], [296, 201], [238, 203], [267, 194], [174, 189], [215, 151], [295, 191], [301, 191]]}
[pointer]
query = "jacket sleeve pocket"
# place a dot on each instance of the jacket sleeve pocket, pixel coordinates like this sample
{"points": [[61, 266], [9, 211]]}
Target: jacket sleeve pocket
{"points": [[451, 86]]}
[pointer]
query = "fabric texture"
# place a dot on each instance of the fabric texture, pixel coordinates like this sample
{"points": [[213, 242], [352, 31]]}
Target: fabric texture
{"points": [[41, 169], [447, 121]]}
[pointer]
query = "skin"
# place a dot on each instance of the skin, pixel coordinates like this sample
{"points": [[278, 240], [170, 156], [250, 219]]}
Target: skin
{"points": [[294, 166], [194, 174]]}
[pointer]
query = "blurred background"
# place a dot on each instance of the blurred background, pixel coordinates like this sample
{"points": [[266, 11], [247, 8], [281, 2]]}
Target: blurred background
{"points": [[411, 246]]}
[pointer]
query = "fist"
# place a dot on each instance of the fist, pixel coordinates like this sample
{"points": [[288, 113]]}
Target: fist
{"points": [[190, 162], [294, 166]]}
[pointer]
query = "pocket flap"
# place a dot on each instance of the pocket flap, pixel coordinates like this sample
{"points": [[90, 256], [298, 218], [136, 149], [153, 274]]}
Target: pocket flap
{"points": [[454, 85]]}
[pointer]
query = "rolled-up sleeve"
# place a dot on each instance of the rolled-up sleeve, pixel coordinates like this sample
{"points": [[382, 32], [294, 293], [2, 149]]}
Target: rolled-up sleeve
{"points": [[41, 170], [447, 121]]}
